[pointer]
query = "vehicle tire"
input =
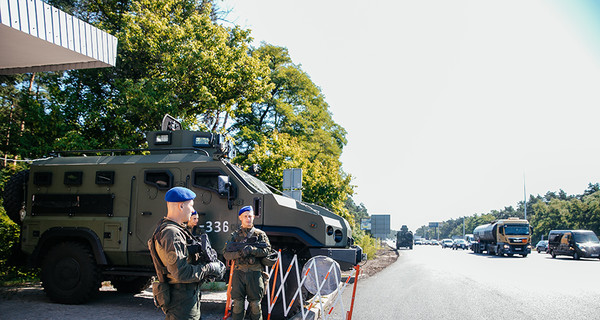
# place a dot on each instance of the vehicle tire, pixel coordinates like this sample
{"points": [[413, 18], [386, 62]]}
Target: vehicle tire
{"points": [[70, 274], [538, 250], [524, 255], [575, 256], [553, 254], [131, 284], [14, 195]]}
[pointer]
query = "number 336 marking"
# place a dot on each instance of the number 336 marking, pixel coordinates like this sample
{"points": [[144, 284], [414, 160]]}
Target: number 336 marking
{"points": [[216, 226]]}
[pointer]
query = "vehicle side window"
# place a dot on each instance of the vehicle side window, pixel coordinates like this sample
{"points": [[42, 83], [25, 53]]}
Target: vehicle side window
{"points": [[73, 178], [105, 177], [207, 179], [42, 178], [161, 179]]}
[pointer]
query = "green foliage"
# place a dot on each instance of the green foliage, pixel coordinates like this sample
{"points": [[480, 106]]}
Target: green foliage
{"points": [[369, 244], [323, 183], [172, 58]]}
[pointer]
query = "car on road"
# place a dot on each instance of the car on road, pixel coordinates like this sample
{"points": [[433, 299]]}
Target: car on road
{"points": [[447, 243], [542, 245], [460, 244], [435, 243]]}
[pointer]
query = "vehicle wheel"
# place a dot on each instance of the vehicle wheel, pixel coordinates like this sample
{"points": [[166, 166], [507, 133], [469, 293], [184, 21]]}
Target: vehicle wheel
{"points": [[575, 256], [131, 284], [14, 195], [70, 274], [553, 254], [524, 255], [538, 250]]}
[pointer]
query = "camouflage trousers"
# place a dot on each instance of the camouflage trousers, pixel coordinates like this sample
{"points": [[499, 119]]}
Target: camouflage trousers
{"points": [[185, 302], [248, 284]]}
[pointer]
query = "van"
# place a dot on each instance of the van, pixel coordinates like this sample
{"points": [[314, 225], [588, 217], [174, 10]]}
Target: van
{"points": [[575, 243]]}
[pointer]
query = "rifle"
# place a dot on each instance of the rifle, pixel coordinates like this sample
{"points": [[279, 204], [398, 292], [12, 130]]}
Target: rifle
{"points": [[201, 250], [252, 241]]}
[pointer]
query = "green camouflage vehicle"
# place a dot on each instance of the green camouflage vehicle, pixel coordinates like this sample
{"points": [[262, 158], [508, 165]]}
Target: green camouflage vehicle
{"points": [[87, 218], [404, 238]]}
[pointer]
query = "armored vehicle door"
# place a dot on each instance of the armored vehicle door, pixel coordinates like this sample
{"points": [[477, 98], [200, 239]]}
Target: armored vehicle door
{"points": [[217, 205], [149, 207]]}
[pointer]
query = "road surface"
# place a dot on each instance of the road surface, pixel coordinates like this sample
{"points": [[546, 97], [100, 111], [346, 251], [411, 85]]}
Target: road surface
{"points": [[434, 283]]}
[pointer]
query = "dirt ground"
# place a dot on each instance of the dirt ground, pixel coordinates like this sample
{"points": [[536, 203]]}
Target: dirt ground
{"points": [[383, 258]]}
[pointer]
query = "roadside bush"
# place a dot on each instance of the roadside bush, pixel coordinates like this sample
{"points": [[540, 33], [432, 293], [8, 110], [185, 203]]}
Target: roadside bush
{"points": [[369, 244]]}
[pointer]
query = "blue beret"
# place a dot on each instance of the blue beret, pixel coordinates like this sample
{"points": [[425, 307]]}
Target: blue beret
{"points": [[179, 194], [244, 209]]}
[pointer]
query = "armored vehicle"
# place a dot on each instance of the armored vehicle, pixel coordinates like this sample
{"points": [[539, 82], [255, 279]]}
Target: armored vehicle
{"points": [[404, 238], [86, 216]]}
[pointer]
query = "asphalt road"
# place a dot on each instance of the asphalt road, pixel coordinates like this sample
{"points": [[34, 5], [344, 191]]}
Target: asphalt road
{"points": [[433, 283]]}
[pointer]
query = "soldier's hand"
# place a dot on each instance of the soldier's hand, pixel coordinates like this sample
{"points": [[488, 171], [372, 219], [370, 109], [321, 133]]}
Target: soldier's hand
{"points": [[246, 251], [215, 269]]}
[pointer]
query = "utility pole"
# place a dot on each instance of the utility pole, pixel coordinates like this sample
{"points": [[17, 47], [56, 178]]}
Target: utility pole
{"points": [[525, 195]]}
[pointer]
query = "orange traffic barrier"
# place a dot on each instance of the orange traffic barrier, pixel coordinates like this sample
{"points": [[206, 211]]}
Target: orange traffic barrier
{"points": [[228, 303]]}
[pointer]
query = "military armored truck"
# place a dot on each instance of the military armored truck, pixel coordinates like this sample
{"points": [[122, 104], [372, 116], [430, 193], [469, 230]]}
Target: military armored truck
{"points": [[86, 216], [404, 238], [506, 236]]}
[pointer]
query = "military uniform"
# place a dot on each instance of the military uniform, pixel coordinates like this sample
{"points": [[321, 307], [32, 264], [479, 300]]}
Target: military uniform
{"points": [[184, 272], [247, 280]]}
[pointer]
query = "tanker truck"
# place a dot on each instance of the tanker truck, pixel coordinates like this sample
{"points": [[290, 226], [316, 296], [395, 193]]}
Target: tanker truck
{"points": [[506, 236]]}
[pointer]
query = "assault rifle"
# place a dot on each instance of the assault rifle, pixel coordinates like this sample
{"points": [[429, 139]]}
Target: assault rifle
{"points": [[200, 248], [252, 241]]}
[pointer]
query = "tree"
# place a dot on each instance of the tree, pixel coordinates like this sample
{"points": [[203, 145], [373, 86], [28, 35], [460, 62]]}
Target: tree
{"points": [[324, 183]]}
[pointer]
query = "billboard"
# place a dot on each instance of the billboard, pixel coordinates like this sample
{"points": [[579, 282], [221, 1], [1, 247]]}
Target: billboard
{"points": [[380, 225], [365, 224]]}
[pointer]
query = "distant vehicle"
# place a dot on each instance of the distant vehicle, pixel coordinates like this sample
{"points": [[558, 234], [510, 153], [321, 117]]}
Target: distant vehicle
{"points": [[460, 244], [575, 243], [542, 245], [435, 242], [506, 236], [447, 243], [419, 242], [404, 238]]}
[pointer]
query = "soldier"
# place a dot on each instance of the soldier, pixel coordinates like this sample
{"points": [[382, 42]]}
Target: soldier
{"points": [[192, 224], [182, 273], [247, 281]]}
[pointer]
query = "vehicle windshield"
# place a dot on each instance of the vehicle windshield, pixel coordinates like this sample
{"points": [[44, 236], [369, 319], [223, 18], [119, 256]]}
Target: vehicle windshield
{"points": [[585, 237], [254, 183], [516, 229]]}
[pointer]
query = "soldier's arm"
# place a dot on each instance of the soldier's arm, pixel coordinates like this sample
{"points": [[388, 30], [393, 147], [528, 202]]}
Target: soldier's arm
{"points": [[231, 255], [173, 254], [262, 252]]}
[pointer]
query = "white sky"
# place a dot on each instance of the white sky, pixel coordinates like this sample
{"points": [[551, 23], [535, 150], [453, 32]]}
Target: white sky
{"points": [[449, 105]]}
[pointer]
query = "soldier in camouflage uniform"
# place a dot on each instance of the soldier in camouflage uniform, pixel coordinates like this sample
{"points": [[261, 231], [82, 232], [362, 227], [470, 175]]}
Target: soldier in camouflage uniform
{"points": [[247, 281], [184, 273]]}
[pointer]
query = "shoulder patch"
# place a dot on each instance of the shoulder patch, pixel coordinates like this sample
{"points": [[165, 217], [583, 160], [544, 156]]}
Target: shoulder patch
{"points": [[171, 257]]}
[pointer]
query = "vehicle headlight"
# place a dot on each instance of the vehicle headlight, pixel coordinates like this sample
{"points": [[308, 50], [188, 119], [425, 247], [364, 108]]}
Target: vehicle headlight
{"points": [[506, 246]]}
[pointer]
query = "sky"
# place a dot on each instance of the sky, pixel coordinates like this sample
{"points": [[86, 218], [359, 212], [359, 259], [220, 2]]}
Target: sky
{"points": [[452, 108]]}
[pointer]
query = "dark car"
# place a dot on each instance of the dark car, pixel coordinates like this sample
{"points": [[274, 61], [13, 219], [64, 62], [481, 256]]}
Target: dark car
{"points": [[542, 245], [460, 244], [575, 243]]}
